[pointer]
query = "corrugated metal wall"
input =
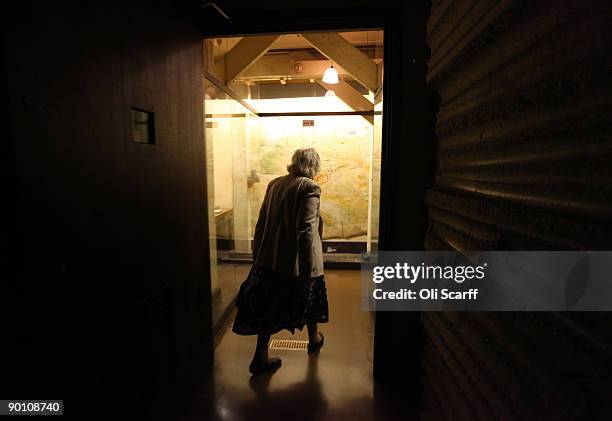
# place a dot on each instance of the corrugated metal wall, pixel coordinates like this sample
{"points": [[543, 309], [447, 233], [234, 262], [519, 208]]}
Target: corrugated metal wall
{"points": [[523, 163]]}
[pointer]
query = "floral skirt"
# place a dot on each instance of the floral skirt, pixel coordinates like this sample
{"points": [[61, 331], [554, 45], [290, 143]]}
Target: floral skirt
{"points": [[269, 302]]}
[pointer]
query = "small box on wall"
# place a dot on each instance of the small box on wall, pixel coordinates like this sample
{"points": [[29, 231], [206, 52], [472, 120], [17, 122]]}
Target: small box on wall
{"points": [[143, 126]]}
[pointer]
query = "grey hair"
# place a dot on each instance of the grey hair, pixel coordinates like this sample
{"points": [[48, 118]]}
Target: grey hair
{"points": [[305, 162]]}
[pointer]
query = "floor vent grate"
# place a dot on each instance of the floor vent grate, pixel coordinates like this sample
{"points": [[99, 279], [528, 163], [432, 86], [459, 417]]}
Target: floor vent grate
{"points": [[288, 344]]}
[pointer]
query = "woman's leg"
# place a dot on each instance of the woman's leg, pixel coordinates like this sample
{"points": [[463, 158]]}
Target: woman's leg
{"points": [[313, 333], [315, 338], [261, 351], [261, 361]]}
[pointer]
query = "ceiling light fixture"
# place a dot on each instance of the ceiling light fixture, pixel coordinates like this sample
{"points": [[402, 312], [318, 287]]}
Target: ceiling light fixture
{"points": [[331, 76]]}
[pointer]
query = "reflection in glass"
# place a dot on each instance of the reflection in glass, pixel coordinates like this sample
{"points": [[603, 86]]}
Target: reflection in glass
{"points": [[226, 170]]}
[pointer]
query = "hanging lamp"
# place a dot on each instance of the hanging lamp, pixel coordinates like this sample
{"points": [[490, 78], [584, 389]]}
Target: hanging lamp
{"points": [[330, 76]]}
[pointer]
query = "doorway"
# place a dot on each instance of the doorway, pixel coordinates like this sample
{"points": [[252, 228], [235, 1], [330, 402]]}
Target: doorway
{"points": [[267, 95]]}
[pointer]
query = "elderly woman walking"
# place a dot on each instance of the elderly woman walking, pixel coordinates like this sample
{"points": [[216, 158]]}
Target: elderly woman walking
{"points": [[286, 288]]}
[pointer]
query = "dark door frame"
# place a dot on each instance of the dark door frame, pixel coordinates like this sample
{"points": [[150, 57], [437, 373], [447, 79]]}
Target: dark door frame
{"points": [[402, 224]]}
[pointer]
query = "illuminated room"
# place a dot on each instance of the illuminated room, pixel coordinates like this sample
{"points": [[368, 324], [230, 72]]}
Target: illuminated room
{"points": [[265, 97]]}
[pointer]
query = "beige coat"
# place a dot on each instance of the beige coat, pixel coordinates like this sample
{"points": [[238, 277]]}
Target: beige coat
{"points": [[289, 229]]}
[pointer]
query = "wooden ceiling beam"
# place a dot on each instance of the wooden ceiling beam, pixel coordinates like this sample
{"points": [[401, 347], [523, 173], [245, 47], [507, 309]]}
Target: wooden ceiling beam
{"points": [[339, 50], [280, 66], [245, 53], [351, 97]]}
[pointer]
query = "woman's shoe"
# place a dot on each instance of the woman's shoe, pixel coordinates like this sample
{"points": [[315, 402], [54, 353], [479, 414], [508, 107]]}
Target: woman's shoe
{"points": [[312, 348], [257, 368]]}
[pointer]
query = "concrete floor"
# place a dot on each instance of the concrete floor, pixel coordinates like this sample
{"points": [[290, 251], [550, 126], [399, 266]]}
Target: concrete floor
{"points": [[334, 385]]}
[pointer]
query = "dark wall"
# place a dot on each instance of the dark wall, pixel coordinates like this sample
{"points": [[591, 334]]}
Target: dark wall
{"points": [[110, 291], [409, 111], [523, 163]]}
